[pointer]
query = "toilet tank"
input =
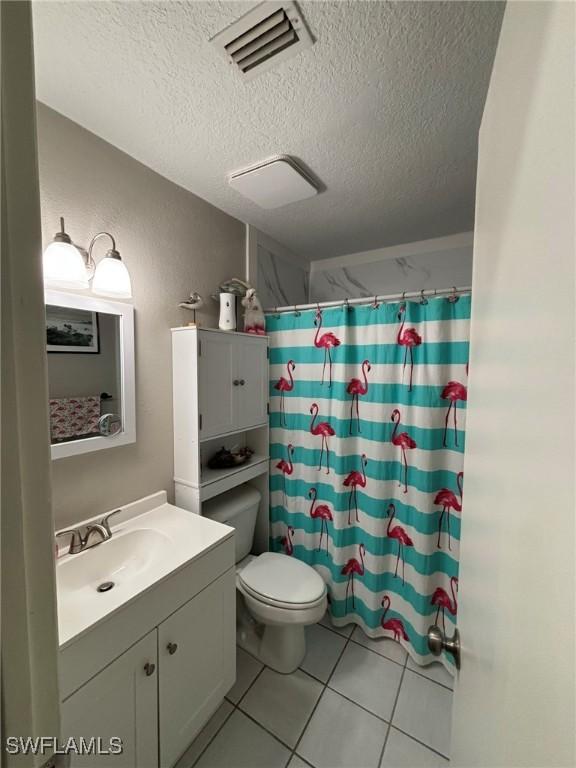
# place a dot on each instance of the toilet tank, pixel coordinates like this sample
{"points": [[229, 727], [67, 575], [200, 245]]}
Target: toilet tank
{"points": [[239, 509]]}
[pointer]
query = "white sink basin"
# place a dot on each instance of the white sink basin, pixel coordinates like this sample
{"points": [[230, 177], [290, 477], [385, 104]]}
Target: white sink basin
{"points": [[123, 557], [153, 540]]}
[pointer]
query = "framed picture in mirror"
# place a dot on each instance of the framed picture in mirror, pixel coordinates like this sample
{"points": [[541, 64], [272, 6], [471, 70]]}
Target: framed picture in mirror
{"points": [[69, 329]]}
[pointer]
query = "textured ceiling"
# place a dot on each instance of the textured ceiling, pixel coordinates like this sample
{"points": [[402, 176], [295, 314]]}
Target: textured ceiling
{"points": [[384, 108]]}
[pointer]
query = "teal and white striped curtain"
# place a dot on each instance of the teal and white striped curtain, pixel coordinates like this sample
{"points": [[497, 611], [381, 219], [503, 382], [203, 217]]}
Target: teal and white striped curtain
{"points": [[367, 446]]}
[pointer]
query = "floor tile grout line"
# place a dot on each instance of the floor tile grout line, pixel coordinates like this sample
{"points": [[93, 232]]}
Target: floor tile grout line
{"points": [[420, 674], [392, 714], [360, 706], [268, 731], [250, 686], [321, 695], [382, 655], [419, 741], [222, 724]]}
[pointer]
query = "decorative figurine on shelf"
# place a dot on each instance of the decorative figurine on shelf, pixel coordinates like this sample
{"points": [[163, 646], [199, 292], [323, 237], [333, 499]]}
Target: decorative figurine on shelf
{"points": [[194, 302], [254, 314]]}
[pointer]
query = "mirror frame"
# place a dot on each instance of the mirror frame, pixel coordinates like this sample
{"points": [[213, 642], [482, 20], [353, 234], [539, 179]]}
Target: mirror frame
{"points": [[125, 314]]}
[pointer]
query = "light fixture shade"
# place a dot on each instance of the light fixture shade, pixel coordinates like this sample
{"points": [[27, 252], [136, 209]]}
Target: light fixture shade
{"points": [[111, 278], [64, 267]]}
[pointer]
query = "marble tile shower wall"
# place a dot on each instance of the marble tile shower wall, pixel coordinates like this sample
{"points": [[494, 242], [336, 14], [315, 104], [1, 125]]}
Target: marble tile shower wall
{"points": [[410, 273], [279, 282]]}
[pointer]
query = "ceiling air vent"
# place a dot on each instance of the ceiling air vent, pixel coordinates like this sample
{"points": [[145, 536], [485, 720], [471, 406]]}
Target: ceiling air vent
{"points": [[263, 37]]}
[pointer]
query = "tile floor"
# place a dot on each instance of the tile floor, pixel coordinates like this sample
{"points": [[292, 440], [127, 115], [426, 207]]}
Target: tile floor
{"points": [[354, 703]]}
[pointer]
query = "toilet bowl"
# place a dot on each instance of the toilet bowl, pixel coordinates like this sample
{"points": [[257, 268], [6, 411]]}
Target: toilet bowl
{"points": [[279, 595]]}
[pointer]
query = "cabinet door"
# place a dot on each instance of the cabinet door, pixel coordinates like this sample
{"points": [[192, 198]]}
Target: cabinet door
{"points": [[216, 392], [121, 701], [252, 370], [197, 660]]}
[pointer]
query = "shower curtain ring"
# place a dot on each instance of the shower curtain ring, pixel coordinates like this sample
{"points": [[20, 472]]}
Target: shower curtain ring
{"points": [[454, 297], [297, 312], [423, 299], [375, 303]]}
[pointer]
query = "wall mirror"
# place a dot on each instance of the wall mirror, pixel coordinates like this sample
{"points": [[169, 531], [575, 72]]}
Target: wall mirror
{"points": [[91, 390]]}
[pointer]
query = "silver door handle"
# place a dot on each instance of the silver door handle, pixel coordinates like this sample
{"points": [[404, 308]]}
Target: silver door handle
{"points": [[438, 642]]}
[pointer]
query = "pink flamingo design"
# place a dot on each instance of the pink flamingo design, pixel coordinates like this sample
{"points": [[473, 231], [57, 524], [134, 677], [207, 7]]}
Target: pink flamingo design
{"points": [[441, 599], [354, 567], [282, 386], [409, 339], [325, 342], [325, 431], [352, 481], [448, 501], [356, 388], [286, 467], [453, 391], [401, 537], [322, 511], [404, 442], [394, 625], [286, 541]]}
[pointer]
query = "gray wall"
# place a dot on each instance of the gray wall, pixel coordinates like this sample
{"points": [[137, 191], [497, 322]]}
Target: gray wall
{"points": [[171, 242]]}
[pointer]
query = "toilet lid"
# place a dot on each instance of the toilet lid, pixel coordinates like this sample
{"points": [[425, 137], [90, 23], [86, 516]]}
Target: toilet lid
{"points": [[283, 579]]}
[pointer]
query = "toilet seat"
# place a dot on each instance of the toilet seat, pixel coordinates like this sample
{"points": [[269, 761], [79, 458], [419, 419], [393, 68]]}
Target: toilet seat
{"points": [[281, 581]]}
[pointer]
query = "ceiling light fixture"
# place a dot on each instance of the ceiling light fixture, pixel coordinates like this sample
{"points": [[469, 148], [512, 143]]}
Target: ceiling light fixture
{"points": [[274, 182], [66, 267]]}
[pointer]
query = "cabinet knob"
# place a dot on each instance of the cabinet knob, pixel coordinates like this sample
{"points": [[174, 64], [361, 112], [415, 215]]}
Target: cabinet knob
{"points": [[242, 382], [236, 382], [172, 648], [149, 668]]}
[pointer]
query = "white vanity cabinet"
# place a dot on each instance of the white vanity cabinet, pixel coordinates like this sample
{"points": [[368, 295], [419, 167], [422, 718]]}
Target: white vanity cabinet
{"points": [[152, 669], [119, 702], [195, 666]]}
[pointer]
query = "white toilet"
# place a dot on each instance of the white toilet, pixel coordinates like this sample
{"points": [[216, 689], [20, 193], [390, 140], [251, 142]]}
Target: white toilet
{"points": [[277, 594]]}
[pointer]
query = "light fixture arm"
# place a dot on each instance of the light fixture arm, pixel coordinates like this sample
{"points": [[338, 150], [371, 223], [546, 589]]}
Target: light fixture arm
{"points": [[112, 253]]}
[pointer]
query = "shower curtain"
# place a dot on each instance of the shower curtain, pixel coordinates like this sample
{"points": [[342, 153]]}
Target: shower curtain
{"points": [[367, 445]]}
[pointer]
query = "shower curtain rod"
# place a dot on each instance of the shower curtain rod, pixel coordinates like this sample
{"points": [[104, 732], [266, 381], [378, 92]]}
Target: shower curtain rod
{"points": [[423, 294]]}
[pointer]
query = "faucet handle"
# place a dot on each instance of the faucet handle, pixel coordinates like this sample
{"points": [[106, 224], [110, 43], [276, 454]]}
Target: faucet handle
{"points": [[104, 522], [76, 540]]}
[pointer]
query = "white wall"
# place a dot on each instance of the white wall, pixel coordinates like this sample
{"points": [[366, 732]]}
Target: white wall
{"points": [[514, 703], [438, 263], [29, 694], [281, 276], [172, 242]]}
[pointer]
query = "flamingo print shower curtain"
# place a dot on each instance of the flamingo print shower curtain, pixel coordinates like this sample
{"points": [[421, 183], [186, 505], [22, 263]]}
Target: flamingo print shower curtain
{"points": [[367, 445]]}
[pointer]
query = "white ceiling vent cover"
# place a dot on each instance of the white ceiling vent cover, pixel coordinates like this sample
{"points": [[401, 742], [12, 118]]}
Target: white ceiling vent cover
{"points": [[263, 37], [273, 183]]}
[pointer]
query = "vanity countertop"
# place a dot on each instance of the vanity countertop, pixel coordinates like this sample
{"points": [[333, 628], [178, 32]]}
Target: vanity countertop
{"points": [[151, 540]]}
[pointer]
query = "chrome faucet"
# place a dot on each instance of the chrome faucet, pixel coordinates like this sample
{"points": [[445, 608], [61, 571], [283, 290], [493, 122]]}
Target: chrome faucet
{"points": [[82, 535]]}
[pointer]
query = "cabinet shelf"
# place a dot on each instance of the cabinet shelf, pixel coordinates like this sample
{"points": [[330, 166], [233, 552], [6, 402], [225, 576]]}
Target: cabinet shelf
{"points": [[232, 432], [216, 481]]}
